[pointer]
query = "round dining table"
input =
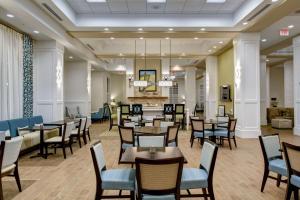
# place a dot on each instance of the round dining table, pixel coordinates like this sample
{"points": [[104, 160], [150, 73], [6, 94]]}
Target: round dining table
{"points": [[150, 130]]}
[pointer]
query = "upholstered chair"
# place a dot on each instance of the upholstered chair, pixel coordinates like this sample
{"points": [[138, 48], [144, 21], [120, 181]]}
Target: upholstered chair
{"points": [[159, 179], [166, 124], [292, 157], [125, 111], [127, 139], [198, 131], [156, 122], [61, 141], [273, 159], [151, 141], [228, 133], [87, 128], [172, 136], [168, 111], [202, 177], [111, 179], [9, 154], [79, 132], [179, 114]]}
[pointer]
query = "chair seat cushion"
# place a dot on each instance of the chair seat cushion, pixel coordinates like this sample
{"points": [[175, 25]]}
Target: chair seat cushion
{"points": [[164, 197], [56, 139], [179, 116], [295, 180], [172, 144], [223, 133], [278, 166], [75, 132], [207, 133], [118, 179], [193, 178]]}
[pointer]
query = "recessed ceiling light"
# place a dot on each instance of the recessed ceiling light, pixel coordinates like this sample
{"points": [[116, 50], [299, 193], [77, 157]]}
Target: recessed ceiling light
{"points": [[36, 32], [96, 1], [70, 57], [182, 54], [291, 26], [10, 15], [195, 38], [245, 23], [264, 40], [140, 29], [209, 50], [221, 42], [112, 38], [214, 47], [203, 29], [106, 29], [267, 60], [167, 38], [120, 54], [171, 29], [274, 1], [141, 38], [156, 1], [215, 1]]}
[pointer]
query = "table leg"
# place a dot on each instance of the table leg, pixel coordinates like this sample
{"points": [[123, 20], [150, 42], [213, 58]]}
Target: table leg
{"points": [[213, 138]]}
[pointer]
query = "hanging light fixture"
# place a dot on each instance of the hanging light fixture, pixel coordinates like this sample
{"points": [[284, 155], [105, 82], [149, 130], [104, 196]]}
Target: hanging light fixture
{"points": [[139, 83]]}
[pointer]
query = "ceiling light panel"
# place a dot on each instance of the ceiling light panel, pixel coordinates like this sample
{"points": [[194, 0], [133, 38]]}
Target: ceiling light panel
{"points": [[215, 1], [96, 1], [156, 1]]}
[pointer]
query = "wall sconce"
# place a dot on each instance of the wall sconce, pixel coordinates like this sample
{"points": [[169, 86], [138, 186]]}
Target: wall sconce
{"points": [[130, 79]]}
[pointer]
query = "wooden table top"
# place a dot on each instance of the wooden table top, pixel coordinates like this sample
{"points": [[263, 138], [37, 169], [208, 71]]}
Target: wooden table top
{"points": [[151, 130], [152, 153], [62, 122]]}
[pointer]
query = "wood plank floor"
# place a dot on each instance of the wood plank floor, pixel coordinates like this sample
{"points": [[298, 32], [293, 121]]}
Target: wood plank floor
{"points": [[238, 173]]}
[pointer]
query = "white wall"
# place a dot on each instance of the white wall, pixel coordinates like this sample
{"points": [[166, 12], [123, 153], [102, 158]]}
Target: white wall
{"points": [[99, 94], [118, 91], [288, 85], [181, 89], [277, 84], [77, 86]]}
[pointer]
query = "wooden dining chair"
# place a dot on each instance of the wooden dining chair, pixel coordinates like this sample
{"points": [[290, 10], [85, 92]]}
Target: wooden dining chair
{"points": [[158, 179], [151, 141], [9, 154], [292, 157], [172, 136], [157, 122], [198, 131], [79, 132], [61, 141], [228, 133], [127, 139], [111, 179], [168, 112], [179, 114], [273, 159], [87, 128]]}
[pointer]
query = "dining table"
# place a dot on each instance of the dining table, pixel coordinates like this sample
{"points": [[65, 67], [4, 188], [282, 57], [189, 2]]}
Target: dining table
{"points": [[151, 153], [61, 123], [150, 130], [214, 123]]}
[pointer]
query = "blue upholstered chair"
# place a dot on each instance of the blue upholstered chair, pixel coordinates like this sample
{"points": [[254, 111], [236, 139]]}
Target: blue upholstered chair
{"points": [[113, 179], [4, 127], [198, 131], [202, 177], [158, 179], [127, 139], [270, 145], [98, 116], [228, 133], [292, 157]]}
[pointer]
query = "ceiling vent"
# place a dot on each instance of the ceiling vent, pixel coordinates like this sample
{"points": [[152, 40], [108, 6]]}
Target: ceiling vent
{"points": [[52, 11], [90, 47], [259, 12]]}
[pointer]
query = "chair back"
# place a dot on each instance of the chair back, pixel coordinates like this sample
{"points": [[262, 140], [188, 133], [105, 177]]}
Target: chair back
{"points": [[98, 160], [126, 134], [168, 109], [151, 141], [197, 125], [166, 124], [88, 122], [12, 150], [137, 109], [82, 124], [172, 135], [156, 122], [129, 124], [232, 125], [67, 130], [270, 145], [208, 158], [179, 109], [159, 177], [2, 135], [292, 157], [125, 109], [134, 118]]}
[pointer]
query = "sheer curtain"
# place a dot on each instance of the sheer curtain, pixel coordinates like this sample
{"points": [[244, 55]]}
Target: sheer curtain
{"points": [[11, 73]]}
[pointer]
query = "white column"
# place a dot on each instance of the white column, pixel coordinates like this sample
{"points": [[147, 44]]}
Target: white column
{"points": [[211, 77], [288, 85], [296, 46], [165, 70], [129, 73], [77, 86], [268, 98], [48, 66], [263, 90], [190, 89], [247, 84]]}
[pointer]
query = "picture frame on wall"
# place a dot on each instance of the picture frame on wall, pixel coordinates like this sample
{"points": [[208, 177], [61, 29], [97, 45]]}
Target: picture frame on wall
{"points": [[221, 110], [148, 75]]}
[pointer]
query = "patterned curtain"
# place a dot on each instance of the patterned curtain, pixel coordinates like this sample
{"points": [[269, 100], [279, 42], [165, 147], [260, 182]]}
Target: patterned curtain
{"points": [[27, 76]]}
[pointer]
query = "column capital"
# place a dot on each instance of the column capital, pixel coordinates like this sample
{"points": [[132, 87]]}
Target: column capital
{"points": [[248, 36]]}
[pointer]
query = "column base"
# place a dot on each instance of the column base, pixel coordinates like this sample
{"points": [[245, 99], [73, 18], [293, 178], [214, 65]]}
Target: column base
{"points": [[248, 133], [297, 130]]}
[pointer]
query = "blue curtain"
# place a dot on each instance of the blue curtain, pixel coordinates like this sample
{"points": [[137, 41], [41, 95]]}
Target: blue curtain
{"points": [[27, 76]]}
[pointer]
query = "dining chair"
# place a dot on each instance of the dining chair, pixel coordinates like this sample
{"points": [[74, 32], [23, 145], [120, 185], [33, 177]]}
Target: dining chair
{"points": [[166, 124], [158, 179], [61, 141], [228, 133], [179, 114], [202, 177], [137, 110], [125, 111], [292, 158], [198, 131], [112, 117], [168, 111], [127, 139], [273, 159], [172, 136], [79, 132], [111, 179], [151, 141], [9, 154], [157, 122], [87, 128]]}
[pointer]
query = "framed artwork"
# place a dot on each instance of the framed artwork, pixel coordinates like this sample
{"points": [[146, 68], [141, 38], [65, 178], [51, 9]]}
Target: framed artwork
{"points": [[150, 77], [221, 110]]}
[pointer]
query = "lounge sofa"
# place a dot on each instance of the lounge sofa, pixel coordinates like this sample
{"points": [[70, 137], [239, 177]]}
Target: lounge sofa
{"points": [[31, 139]]}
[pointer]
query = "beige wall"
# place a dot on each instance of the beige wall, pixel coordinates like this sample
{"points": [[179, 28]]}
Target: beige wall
{"points": [[99, 94], [117, 87], [226, 76], [277, 84]]}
